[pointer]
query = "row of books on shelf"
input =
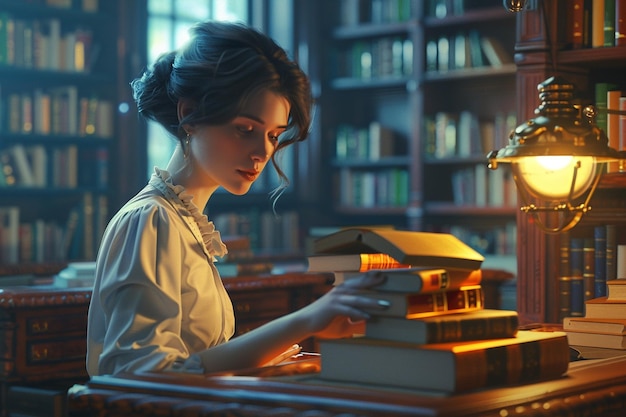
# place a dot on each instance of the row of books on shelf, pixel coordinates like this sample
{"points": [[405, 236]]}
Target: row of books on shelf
{"points": [[464, 134], [601, 332], [45, 44], [383, 187], [494, 240], [355, 12], [588, 260], [38, 166], [55, 111], [610, 100], [465, 50], [370, 143], [82, 5], [268, 232], [480, 186], [383, 57], [430, 331], [43, 240], [445, 8], [596, 24]]}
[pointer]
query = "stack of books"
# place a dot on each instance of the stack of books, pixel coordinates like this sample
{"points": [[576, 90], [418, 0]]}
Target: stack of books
{"points": [[601, 333], [436, 335]]}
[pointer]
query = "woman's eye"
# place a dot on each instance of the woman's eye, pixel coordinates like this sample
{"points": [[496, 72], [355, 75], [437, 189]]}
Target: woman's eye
{"points": [[244, 129]]}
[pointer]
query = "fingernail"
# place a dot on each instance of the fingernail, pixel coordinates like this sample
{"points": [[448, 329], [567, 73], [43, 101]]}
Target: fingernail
{"points": [[383, 303]]}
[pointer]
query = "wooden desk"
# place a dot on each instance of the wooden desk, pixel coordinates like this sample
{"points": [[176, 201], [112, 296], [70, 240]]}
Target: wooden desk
{"points": [[591, 388], [43, 330]]}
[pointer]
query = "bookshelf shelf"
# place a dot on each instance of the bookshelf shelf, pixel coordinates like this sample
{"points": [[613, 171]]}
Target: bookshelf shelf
{"points": [[541, 263], [404, 101], [59, 79]]}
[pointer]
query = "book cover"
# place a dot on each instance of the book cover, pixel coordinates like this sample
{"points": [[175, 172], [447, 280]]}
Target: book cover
{"points": [[475, 325], [448, 367], [620, 22], [360, 262], [422, 280], [576, 277], [599, 237], [602, 307], [565, 279], [611, 341], [408, 247], [417, 305], [598, 325], [589, 262], [616, 289]]}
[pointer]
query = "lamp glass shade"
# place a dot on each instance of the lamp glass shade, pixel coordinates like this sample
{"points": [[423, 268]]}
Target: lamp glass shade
{"points": [[550, 177]]}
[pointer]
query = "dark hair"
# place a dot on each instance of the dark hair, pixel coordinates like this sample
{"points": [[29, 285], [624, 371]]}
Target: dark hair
{"points": [[221, 67]]}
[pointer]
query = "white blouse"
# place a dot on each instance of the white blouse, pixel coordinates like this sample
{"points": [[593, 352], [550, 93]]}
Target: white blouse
{"points": [[158, 299]]}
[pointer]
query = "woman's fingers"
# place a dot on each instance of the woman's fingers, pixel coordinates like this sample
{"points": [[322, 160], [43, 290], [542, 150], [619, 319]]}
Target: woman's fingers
{"points": [[366, 280]]}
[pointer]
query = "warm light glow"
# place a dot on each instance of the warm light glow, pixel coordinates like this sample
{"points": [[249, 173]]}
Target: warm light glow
{"points": [[550, 177]]}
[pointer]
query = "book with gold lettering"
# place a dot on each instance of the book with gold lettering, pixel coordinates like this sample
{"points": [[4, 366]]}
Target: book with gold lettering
{"points": [[441, 250], [447, 367]]}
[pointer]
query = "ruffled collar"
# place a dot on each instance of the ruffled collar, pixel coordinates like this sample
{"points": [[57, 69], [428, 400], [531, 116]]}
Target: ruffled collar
{"points": [[162, 180]]}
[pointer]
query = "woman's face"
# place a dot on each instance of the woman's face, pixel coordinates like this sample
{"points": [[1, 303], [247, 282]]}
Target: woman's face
{"points": [[233, 155]]}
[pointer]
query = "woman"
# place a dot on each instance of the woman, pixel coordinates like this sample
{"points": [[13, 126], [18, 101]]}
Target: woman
{"points": [[232, 99]]}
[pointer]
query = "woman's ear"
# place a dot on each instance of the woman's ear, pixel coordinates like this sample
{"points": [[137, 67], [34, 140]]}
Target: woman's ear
{"points": [[184, 108]]}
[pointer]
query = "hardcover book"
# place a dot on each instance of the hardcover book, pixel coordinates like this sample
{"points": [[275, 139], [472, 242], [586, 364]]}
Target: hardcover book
{"points": [[358, 262], [422, 280], [448, 367], [616, 289], [475, 325], [599, 325], [611, 341], [417, 305], [603, 307], [441, 250]]}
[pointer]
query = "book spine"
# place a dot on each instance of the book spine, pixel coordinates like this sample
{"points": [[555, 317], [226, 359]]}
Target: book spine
{"points": [[576, 274], [575, 23], [565, 279], [599, 236], [589, 261], [379, 261], [620, 22], [474, 329], [517, 363], [423, 305], [611, 251]]}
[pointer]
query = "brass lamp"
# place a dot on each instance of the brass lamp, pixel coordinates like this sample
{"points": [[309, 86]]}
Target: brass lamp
{"points": [[557, 157]]}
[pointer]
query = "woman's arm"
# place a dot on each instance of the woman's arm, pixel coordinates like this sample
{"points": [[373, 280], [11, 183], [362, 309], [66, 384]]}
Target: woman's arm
{"points": [[336, 314]]}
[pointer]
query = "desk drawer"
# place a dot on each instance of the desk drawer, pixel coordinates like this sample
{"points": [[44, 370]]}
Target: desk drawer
{"points": [[263, 304]]}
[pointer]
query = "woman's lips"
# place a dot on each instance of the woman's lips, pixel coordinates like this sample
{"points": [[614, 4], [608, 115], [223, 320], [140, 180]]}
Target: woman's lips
{"points": [[249, 175]]}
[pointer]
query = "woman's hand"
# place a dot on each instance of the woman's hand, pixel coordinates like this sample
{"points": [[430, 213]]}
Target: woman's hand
{"points": [[340, 312]]}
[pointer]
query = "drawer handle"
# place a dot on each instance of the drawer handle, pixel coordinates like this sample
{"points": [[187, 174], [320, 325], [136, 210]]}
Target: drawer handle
{"points": [[39, 326], [40, 354], [243, 308]]}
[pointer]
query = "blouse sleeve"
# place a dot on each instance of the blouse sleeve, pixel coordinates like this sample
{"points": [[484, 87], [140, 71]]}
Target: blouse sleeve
{"points": [[137, 297]]}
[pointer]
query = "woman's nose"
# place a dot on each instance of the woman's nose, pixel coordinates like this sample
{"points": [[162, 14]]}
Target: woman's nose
{"points": [[263, 151]]}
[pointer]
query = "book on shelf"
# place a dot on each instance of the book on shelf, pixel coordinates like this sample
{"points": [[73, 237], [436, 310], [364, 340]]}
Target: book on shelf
{"points": [[599, 238], [576, 277], [408, 247], [616, 289], [603, 307], [605, 340], [359, 262], [472, 325], [422, 280], [598, 325], [495, 52], [446, 367], [418, 305]]}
